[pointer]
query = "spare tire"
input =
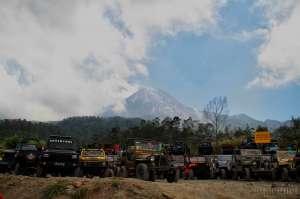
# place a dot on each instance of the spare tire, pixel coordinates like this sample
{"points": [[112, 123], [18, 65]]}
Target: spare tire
{"points": [[142, 171]]}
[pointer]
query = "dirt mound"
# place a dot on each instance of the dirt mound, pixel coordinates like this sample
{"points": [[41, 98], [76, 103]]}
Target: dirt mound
{"points": [[22, 187], [78, 188]]}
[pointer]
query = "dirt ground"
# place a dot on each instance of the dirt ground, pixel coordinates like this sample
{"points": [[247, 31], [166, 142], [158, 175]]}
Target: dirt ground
{"points": [[23, 187]]}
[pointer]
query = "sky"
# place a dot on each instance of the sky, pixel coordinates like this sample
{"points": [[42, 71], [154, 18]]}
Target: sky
{"points": [[65, 58]]}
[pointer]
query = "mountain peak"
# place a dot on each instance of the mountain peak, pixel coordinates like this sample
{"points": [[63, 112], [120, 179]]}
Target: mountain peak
{"points": [[149, 103]]}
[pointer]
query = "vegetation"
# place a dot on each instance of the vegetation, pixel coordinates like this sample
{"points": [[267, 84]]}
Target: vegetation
{"points": [[55, 190], [96, 130], [116, 183], [216, 113], [81, 193], [288, 135]]}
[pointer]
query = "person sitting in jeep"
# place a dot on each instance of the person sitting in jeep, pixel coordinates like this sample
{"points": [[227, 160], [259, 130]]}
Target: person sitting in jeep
{"points": [[60, 157]]}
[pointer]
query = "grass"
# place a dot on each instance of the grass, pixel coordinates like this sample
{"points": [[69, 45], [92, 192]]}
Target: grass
{"points": [[81, 193], [55, 190], [97, 186], [115, 183]]}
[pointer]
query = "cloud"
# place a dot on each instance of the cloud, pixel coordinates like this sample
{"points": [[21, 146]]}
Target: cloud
{"points": [[278, 56], [66, 58]]}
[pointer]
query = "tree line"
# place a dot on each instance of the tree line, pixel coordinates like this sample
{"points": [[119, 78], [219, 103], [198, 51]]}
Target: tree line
{"points": [[91, 130], [98, 130]]}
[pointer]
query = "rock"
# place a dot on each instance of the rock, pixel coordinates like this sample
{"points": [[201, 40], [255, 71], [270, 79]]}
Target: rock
{"points": [[77, 184], [70, 189], [11, 184], [166, 196]]}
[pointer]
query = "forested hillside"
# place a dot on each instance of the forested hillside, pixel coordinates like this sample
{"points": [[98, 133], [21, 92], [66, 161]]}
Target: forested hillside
{"points": [[90, 130]]}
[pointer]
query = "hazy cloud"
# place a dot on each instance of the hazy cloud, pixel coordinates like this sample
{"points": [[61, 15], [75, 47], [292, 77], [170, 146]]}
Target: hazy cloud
{"points": [[74, 57]]}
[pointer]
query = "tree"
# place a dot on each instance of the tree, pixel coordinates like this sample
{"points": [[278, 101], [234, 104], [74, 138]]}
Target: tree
{"points": [[216, 113]]}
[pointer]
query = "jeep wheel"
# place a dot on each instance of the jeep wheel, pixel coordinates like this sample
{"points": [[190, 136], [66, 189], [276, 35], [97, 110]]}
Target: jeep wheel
{"points": [[123, 172], [284, 174], [223, 174], [117, 171], [78, 172], [212, 174], [298, 173], [17, 169], [142, 171], [152, 176], [247, 173], [109, 173], [173, 176], [191, 175], [273, 174], [235, 175], [40, 171]]}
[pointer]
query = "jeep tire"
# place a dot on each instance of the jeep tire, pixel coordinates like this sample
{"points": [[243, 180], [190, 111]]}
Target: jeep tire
{"points": [[123, 172], [109, 173], [78, 172], [142, 171], [173, 176], [40, 172], [247, 173], [284, 174], [223, 174], [17, 169]]}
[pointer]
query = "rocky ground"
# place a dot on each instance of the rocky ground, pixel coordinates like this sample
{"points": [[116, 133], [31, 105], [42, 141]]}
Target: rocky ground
{"points": [[22, 187]]}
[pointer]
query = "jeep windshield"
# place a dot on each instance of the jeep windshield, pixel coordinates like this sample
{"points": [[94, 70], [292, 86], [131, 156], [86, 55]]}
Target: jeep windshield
{"points": [[93, 153], [151, 146], [28, 147], [61, 144]]}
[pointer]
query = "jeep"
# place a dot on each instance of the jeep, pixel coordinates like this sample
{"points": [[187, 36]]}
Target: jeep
{"points": [[7, 160], [94, 162], [147, 160], [198, 164], [60, 157], [26, 156]]}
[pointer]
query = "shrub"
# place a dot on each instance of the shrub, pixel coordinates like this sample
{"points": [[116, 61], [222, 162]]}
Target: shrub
{"points": [[115, 183], [81, 193], [55, 190]]}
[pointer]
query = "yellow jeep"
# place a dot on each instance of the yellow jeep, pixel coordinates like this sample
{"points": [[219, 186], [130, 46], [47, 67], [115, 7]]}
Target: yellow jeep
{"points": [[94, 162]]}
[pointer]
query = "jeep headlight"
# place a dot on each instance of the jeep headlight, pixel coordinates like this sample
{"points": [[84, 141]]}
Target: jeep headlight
{"points": [[74, 156], [30, 156], [46, 155], [152, 158], [254, 163]]}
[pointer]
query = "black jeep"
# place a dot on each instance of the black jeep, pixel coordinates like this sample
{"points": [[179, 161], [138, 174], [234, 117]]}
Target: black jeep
{"points": [[7, 157], [26, 157], [60, 157]]}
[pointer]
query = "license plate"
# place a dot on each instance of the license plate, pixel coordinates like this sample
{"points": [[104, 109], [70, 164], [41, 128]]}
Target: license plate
{"points": [[59, 164]]}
